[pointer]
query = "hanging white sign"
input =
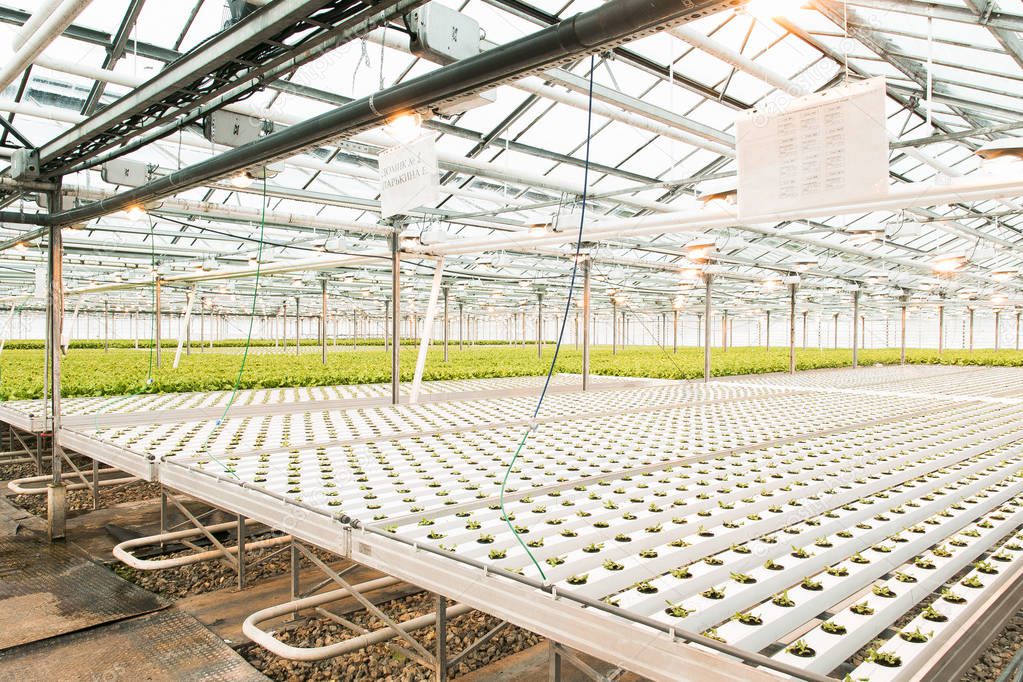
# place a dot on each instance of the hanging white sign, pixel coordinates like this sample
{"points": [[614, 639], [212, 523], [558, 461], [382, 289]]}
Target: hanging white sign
{"points": [[408, 177], [825, 147]]}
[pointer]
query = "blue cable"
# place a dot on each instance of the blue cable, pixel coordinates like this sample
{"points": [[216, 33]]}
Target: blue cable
{"points": [[564, 322]]}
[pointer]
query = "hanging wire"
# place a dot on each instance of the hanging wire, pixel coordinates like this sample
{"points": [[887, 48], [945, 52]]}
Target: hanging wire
{"points": [[564, 323], [248, 339]]}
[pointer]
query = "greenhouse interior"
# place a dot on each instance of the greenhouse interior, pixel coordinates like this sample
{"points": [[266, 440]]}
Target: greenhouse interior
{"points": [[511, 340]]}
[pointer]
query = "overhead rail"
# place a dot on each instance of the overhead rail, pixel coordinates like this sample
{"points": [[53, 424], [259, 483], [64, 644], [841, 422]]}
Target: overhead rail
{"points": [[225, 68], [604, 27]]}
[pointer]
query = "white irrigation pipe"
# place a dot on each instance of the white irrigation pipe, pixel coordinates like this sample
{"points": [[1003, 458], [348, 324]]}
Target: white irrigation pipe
{"points": [[33, 44], [39, 15], [17, 486], [251, 629], [424, 342], [184, 327], [122, 554]]}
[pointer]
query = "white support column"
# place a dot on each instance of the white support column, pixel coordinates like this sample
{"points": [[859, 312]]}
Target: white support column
{"points": [[424, 341], [190, 299]]}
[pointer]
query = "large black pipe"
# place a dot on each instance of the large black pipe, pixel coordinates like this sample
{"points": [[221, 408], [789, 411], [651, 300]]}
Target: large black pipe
{"points": [[602, 28]]}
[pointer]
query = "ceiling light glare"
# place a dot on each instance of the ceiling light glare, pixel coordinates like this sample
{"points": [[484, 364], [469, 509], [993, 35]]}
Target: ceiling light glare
{"points": [[948, 264], [537, 230], [699, 251], [770, 284], [241, 181], [135, 212], [20, 247], [770, 9], [999, 299], [1003, 275], [405, 128]]}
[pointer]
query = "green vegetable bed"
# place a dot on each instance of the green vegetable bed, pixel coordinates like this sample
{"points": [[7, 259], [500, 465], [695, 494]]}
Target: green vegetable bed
{"points": [[91, 372]]}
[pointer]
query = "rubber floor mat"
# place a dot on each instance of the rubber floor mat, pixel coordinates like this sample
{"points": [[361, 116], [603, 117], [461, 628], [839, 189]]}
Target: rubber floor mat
{"points": [[52, 589], [167, 645]]}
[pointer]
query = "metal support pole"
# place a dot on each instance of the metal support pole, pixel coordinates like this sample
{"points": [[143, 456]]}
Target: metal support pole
{"points": [[553, 662], [156, 315], [792, 329], [767, 335], [284, 326], [1017, 329], [998, 329], [836, 330], [461, 325], [440, 673], [296, 573], [674, 334], [707, 312], [971, 329], [539, 324], [298, 327], [323, 321], [724, 330], [614, 326], [856, 330], [396, 318], [586, 322], [902, 334], [805, 314], [941, 329], [446, 292], [387, 324], [56, 497], [241, 552], [106, 325]]}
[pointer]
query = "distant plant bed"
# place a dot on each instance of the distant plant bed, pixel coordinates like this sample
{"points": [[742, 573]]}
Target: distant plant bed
{"points": [[89, 371]]}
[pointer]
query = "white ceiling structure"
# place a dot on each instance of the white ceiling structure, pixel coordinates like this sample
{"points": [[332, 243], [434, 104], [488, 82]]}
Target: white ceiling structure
{"points": [[663, 132]]}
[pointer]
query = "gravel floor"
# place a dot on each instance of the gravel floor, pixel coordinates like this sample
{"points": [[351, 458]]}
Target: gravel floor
{"points": [[9, 472], [1001, 651], [379, 662]]}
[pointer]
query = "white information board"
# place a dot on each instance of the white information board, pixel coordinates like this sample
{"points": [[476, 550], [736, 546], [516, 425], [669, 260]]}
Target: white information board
{"points": [[825, 147], [408, 176]]}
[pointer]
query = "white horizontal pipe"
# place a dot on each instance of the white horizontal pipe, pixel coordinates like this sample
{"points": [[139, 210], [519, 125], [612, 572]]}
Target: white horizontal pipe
{"points": [[251, 629], [122, 554], [899, 197], [39, 15], [48, 31], [17, 486]]}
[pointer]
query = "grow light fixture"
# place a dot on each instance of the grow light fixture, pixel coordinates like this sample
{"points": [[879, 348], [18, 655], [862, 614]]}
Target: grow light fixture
{"points": [[689, 276], [770, 283], [999, 299], [1003, 275], [135, 212], [948, 264], [862, 236], [20, 247], [700, 250], [804, 264], [1009, 147], [537, 230]]}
